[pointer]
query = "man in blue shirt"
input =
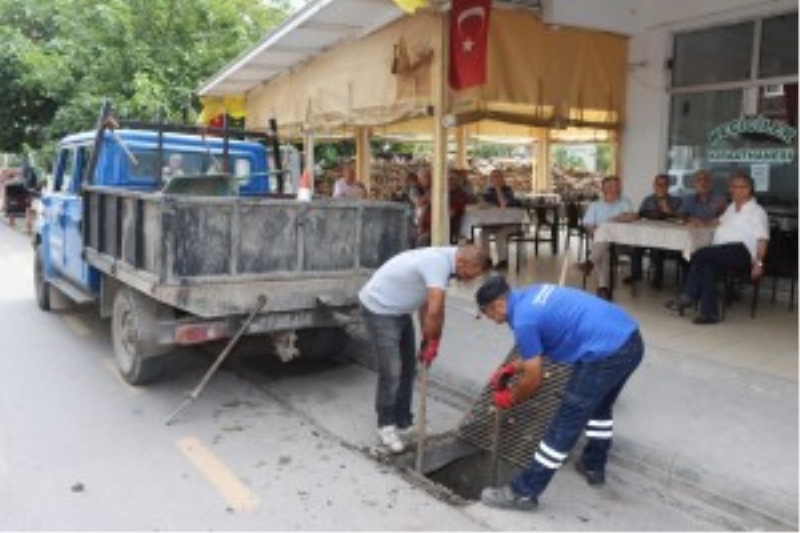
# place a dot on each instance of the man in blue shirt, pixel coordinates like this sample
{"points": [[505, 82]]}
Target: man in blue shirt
{"points": [[704, 206], [498, 194], [602, 344], [658, 206]]}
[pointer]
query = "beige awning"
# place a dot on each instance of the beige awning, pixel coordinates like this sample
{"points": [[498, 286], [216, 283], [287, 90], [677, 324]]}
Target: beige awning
{"points": [[539, 76]]}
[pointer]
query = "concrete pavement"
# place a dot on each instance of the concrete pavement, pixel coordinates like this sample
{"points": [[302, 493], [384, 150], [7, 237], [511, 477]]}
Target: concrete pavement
{"points": [[719, 432]]}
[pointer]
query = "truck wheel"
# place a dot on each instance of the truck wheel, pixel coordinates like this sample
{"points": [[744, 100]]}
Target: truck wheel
{"points": [[134, 330], [321, 343], [41, 285]]}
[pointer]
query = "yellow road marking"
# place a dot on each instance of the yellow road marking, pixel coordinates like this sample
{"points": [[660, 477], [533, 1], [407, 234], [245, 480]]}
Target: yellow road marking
{"points": [[76, 325], [236, 494], [111, 366]]}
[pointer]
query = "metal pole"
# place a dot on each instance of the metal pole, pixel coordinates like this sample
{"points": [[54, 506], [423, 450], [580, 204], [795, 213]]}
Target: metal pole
{"points": [[262, 300], [421, 414]]}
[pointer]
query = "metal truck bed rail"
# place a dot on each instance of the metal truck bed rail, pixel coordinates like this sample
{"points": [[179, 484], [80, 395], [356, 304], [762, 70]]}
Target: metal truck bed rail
{"points": [[183, 250]]}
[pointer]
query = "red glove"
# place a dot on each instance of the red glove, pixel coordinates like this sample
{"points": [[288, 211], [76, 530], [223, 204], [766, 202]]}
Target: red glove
{"points": [[504, 399], [502, 376], [428, 352]]}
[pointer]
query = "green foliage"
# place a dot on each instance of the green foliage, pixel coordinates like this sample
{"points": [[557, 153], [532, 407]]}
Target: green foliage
{"points": [[59, 59]]}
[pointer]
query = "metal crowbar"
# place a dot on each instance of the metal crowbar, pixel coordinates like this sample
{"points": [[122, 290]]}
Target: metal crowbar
{"points": [[192, 396]]}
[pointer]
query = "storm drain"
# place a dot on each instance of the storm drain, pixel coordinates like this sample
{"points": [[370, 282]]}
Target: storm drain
{"points": [[460, 464]]}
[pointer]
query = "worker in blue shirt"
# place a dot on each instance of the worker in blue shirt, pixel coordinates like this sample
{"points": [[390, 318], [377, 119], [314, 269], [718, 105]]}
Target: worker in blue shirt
{"points": [[602, 344]]}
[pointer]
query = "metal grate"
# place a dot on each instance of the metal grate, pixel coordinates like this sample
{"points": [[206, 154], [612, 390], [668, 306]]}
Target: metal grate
{"points": [[522, 426]]}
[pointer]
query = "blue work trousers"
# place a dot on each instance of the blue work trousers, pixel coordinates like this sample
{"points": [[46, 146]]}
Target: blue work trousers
{"points": [[587, 405], [394, 345], [705, 268]]}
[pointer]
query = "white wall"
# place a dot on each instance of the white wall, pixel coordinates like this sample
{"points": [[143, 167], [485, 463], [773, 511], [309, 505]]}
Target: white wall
{"points": [[650, 25]]}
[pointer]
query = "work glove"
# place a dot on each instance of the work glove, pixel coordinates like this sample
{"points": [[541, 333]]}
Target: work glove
{"points": [[428, 351], [502, 376], [503, 399]]}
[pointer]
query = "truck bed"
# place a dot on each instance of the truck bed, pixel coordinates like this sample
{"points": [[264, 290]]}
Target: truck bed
{"points": [[211, 256]]}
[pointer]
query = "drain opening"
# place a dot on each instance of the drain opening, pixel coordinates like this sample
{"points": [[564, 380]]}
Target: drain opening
{"points": [[457, 471], [457, 466]]}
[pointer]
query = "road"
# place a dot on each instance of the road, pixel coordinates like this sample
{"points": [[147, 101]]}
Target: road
{"points": [[266, 447]]}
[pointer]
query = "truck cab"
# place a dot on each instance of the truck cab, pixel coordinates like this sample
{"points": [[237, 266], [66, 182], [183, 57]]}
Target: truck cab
{"points": [[145, 161]]}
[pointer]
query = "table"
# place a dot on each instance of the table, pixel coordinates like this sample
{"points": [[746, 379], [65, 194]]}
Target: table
{"points": [[666, 235], [545, 214], [656, 234], [476, 217]]}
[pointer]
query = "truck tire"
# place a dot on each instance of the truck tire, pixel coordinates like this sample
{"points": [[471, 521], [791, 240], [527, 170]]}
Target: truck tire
{"points": [[321, 343], [41, 285], [134, 332]]}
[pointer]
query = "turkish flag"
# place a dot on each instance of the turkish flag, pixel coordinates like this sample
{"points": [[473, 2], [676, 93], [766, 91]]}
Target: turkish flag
{"points": [[469, 40]]}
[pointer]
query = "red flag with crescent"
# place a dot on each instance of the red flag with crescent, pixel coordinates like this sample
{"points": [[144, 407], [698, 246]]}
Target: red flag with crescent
{"points": [[469, 40]]}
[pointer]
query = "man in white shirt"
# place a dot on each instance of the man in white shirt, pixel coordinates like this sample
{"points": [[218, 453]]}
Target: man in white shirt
{"points": [[612, 207], [740, 242], [411, 282], [347, 186]]}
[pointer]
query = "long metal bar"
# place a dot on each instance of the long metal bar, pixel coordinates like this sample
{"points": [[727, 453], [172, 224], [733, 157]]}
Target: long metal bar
{"points": [[262, 300], [421, 415]]}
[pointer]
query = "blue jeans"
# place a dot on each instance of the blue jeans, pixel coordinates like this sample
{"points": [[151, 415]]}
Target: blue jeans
{"points": [[704, 269], [394, 345], [589, 397]]}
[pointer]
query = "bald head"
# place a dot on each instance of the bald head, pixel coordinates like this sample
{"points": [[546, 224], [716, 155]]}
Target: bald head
{"points": [[471, 261]]}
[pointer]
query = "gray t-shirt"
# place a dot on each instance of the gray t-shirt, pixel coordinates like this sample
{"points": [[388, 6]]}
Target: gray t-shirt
{"points": [[400, 286]]}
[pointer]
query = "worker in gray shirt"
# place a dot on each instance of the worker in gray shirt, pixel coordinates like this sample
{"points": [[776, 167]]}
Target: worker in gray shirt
{"points": [[412, 281]]}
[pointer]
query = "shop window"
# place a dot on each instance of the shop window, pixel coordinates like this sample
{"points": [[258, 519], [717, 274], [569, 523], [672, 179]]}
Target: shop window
{"points": [[778, 52], [698, 57], [691, 117]]}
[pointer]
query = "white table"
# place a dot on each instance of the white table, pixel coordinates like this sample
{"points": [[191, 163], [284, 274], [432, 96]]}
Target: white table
{"points": [[476, 217], [665, 235], [656, 234]]}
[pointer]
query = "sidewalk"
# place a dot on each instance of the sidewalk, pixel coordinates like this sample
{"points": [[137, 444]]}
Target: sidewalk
{"points": [[711, 410], [712, 413]]}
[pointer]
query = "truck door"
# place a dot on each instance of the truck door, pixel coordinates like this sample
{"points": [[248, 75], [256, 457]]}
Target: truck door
{"points": [[66, 215]]}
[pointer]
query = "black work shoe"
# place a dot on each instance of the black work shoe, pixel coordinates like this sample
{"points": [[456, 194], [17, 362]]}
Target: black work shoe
{"points": [[679, 304], [703, 320], [603, 293], [506, 498], [593, 477]]}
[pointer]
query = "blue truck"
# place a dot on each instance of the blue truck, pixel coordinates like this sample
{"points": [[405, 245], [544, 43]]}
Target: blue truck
{"points": [[174, 234]]}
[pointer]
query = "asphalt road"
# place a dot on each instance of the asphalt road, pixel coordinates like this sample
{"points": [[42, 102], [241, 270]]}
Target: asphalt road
{"points": [[266, 447]]}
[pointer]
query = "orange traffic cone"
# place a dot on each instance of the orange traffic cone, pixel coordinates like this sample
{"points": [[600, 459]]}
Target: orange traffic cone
{"points": [[304, 190]]}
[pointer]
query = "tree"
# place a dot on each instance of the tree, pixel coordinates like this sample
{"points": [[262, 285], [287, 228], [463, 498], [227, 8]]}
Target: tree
{"points": [[64, 57]]}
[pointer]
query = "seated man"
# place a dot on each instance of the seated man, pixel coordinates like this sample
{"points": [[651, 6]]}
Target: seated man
{"points": [[704, 206], [347, 187], [612, 207], [498, 194], [174, 167], [740, 241], [657, 206], [458, 201]]}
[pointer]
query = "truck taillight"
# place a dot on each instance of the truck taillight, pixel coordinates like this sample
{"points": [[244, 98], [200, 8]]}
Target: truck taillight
{"points": [[197, 333]]}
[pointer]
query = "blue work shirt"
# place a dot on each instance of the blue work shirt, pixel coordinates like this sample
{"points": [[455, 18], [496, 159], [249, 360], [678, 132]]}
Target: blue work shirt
{"points": [[565, 324], [704, 208]]}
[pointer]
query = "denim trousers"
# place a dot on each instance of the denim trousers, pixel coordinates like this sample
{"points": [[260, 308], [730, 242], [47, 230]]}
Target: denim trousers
{"points": [[587, 406], [704, 269], [394, 346]]}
